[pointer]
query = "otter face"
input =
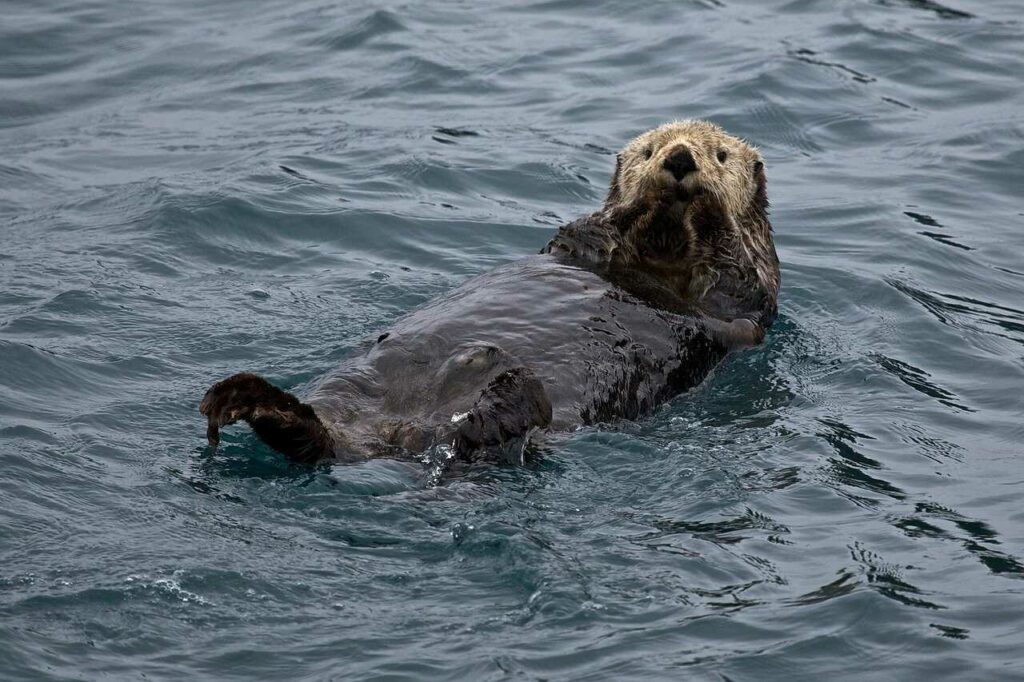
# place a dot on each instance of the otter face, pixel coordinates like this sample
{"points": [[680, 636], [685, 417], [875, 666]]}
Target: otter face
{"points": [[684, 160]]}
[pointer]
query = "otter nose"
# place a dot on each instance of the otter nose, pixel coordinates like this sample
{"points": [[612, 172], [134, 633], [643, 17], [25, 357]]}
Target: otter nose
{"points": [[680, 162]]}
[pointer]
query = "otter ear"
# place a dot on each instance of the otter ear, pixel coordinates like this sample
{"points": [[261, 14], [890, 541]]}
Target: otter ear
{"points": [[614, 195], [761, 191]]}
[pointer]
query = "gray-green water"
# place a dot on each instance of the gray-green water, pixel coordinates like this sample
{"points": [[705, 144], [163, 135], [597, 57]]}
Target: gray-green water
{"points": [[189, 189]]}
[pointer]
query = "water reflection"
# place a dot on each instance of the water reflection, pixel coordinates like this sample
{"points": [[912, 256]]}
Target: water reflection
{"points": [[849, 469], [940, 10], [890, 580], [919, 380], [964, 312]]}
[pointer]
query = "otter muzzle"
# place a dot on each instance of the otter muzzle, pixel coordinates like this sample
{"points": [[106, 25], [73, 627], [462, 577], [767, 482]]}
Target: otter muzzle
{"points": [[680, 163]]}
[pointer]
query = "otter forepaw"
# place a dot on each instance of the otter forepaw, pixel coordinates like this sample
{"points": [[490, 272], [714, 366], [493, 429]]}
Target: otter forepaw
{"points": [[509, 409]]}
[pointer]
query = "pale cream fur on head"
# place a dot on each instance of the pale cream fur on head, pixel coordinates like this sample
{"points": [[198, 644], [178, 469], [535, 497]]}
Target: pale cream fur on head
{"points": [[725, 165]]}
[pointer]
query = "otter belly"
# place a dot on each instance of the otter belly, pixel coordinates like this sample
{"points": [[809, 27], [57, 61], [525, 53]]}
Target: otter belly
{"points": [[537, 343]]}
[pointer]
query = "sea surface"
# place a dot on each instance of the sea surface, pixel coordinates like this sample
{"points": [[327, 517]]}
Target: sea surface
{"points": [[190, 188]]}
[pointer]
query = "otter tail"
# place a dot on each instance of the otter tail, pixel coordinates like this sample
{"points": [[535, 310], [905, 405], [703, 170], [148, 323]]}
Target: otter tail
{"points": [[282, 421]]}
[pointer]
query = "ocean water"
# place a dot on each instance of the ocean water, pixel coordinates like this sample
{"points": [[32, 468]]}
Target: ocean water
{"points": [[189, 189]]}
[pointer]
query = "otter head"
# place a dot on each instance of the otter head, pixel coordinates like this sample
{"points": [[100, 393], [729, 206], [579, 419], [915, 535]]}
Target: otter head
{"points": [[684, 160], [688, 197]]}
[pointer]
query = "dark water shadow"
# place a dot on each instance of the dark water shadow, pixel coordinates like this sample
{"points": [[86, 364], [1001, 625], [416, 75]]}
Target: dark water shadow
{"points": [[725, 532], [939, 10], [964, 312], [974, 536], [849, 468], [940, 237], [890, 580], [919, 380], [810, 57]]}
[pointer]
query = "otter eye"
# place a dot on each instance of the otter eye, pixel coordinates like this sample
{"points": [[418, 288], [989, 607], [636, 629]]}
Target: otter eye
{"points": [[648, 152], [722, 156]]}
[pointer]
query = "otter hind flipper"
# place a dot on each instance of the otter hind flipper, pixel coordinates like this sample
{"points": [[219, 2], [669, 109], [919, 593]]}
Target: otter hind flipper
{"points": [[280, 419], [513, 405]]}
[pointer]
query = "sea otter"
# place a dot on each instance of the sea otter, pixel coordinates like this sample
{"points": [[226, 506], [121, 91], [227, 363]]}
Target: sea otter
{"points": [[621, 311]]}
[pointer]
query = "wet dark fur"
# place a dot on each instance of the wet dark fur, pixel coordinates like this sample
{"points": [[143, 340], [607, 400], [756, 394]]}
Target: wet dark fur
{"points": [[601, 325]]}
